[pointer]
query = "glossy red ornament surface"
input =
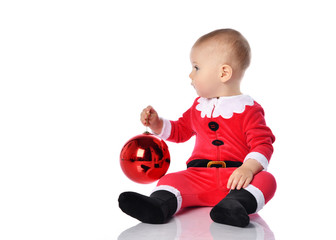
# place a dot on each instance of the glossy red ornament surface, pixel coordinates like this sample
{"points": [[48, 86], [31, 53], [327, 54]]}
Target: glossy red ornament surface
{"points": [[145, 158]]}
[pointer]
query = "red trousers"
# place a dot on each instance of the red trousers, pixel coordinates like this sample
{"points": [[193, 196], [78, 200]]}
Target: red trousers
{"points": [[199, 186]]}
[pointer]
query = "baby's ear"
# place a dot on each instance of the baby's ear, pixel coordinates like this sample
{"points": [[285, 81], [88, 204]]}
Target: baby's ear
{"points": [[225, 72]]}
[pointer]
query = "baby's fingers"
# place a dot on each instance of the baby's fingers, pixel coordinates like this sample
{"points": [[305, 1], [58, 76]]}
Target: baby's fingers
{"points": [[243, 182], [247, 182], [233, 181], [146, 115]]}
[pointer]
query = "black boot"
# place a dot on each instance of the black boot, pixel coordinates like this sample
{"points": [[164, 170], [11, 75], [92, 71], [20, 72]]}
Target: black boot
{"points": [[234, 208], [156, 209]]}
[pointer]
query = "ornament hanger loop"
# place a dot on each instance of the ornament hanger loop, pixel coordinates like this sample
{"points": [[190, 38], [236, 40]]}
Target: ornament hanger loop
{"points": [[147, 123]]}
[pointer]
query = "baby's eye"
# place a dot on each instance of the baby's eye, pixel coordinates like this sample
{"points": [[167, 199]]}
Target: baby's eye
{"points": [[196, 68]]}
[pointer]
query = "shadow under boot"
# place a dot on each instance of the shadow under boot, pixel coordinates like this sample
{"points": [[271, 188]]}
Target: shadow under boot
{"points": [[234, 208]]}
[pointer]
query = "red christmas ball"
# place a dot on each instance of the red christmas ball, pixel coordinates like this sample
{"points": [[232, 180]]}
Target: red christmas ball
{"points": [[145, 158]]}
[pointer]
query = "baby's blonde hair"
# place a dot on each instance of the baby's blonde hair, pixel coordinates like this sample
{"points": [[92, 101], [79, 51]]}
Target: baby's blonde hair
{"points": [[232, 43]]}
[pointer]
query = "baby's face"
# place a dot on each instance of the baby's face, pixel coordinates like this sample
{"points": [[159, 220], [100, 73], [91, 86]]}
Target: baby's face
{"points": [[206, 70]]}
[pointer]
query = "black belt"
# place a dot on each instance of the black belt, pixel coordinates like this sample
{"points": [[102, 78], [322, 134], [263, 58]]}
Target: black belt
{"points": [[218, 164]]}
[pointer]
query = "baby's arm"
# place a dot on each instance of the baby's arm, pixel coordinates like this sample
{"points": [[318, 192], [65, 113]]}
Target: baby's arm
{"points": [[259, 140], [174, 131], [243, 175], [150, 118]]}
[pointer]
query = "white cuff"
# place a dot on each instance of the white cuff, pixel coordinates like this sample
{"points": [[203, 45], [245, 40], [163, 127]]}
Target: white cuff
{"points": [[259, 196], [166, 130], [173, 191], [259, 157]]}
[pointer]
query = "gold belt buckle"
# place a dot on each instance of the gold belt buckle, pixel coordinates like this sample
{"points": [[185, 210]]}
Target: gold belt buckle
{"points": [[216, 163]]}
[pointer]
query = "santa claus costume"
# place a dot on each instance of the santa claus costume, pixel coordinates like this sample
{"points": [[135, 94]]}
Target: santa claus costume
{"points": [[228, 130]]}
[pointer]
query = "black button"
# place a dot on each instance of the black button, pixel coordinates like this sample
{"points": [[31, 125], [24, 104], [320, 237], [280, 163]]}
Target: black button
{"points": [[217, 142], [213, 126]]}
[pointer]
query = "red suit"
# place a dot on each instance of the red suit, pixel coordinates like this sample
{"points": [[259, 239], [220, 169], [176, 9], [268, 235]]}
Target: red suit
{"points": [[226, 129]]}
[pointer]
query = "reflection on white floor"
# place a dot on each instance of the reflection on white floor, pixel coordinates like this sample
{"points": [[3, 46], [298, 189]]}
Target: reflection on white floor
{"points": [[196, 224]]}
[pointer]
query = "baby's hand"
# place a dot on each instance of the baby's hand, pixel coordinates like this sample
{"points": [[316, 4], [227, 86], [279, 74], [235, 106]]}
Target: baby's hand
{"points": [[243, 175], [240, 178], [150, 118]]}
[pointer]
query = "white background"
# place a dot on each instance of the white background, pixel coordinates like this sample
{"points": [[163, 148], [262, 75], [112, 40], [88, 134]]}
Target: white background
{"points": [[75, 75]]}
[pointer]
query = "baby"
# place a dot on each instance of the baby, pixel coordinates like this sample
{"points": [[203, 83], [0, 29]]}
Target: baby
{"points": [[227, 168]]}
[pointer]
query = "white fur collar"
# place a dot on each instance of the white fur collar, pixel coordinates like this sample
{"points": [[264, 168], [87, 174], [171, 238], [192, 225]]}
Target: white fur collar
{"points": [[223, 106]]}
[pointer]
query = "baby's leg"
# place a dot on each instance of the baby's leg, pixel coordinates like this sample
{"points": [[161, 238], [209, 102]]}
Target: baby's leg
{"points": [[161, 205], [263, 188], [173, 192], [235, 207]]}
